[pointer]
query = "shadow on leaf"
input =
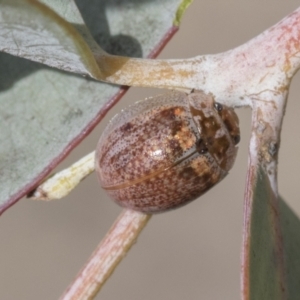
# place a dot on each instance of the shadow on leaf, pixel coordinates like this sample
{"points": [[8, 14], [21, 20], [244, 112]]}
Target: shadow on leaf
{"points": [[96, 21]]}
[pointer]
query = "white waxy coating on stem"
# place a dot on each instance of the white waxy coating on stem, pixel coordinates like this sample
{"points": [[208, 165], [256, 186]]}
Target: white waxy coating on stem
{"points": [[63, 182], [235, 77], [106, 257]]}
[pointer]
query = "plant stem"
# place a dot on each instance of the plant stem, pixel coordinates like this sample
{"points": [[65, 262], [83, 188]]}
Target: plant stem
{"points": [[263, 63], [262, 195], [107, 256], [62, 183]]}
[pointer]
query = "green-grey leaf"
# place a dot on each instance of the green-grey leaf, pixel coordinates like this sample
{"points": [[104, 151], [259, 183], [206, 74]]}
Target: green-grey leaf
{"points": [[265, 251], [45, 113], [53, 32], [69, 12], [290, 225], [31, 30], [274, 243]]}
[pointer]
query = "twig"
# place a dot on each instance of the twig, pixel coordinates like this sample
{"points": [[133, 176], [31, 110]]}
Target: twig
{"points": [[107, 256], [63, 182]]}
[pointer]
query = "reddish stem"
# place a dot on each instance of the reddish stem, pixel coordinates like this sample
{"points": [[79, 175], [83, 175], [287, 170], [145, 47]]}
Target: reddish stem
{"points": [[107, 256]]}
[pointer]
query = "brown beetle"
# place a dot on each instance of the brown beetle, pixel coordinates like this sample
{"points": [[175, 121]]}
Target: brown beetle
{"points": [[166, 151]]}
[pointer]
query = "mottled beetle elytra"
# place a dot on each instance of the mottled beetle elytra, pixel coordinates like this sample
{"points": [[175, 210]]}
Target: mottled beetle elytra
{"points": [[166, 151]]}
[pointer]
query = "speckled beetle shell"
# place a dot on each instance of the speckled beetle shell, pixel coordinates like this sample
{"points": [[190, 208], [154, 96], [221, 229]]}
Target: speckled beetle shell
{"points": [[166, 151]]}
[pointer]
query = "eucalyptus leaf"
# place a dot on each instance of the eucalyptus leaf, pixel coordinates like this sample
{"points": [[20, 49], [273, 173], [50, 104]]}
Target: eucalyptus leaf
{"points": [[45, 112], [33, 31], [265, 255], [291, 244], [273, 249]]}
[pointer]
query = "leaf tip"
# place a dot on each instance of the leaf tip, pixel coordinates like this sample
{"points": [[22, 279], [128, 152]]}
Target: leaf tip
{"points": [[181, 10]]}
